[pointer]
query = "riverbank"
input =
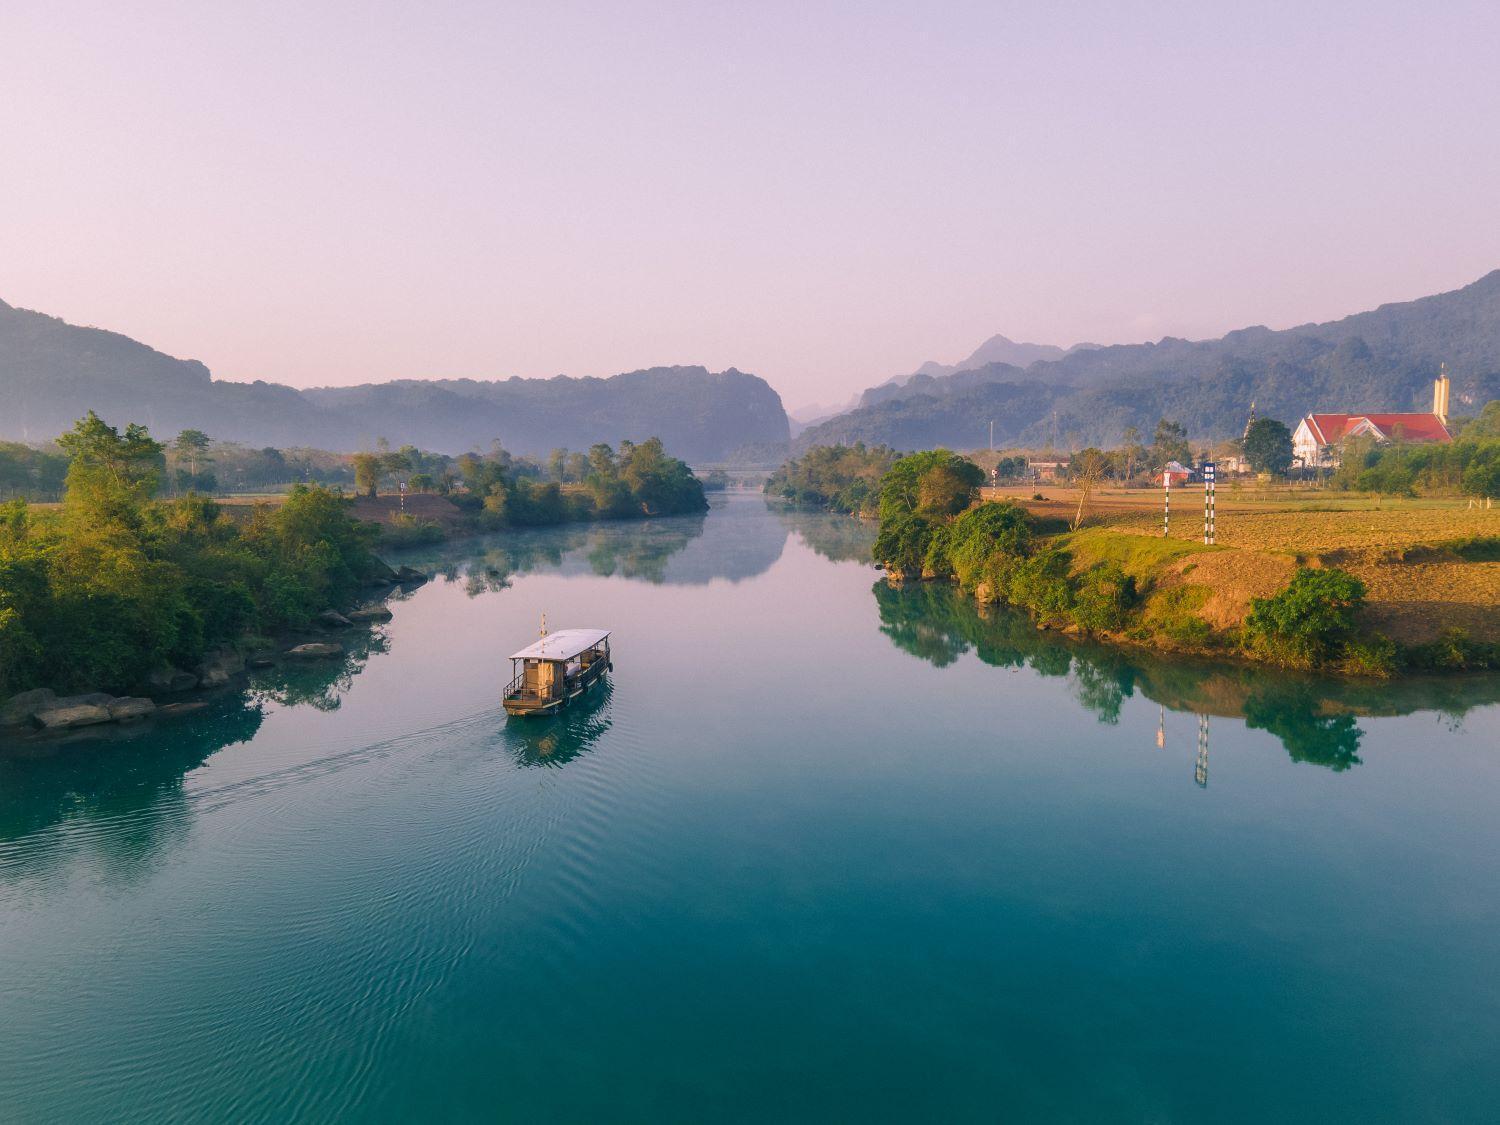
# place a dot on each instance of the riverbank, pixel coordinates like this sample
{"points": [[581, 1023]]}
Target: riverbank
{"points": [[42, 714], [1294, 578]]}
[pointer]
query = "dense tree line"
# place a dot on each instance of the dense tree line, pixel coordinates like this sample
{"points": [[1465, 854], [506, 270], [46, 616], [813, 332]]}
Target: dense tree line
{"points": [[838, 478], [117, 583], [635, 481]]}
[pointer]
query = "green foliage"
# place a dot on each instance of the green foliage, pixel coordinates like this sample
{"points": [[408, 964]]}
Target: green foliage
{"points": [[1173, 613], [1104, 599], [1454, 651], [640, 480], [1370, 656], [716, 480], [981, 532], [1042, 584], [33, 474], [1309, 623], [1481, 477], [116, 584], [1268, 446], [934, 483], [903, 542], [1170, 443], [840, 478], [409, 531]]}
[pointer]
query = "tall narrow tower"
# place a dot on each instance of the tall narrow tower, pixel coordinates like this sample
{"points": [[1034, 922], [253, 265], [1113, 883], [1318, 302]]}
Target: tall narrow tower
{"points": [[1440, 390], [1250, 421]]}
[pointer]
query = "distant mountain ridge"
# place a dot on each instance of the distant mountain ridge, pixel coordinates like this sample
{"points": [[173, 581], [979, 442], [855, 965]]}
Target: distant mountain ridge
{"points": [[1384, 359], [52, 372], [1001, 349]]}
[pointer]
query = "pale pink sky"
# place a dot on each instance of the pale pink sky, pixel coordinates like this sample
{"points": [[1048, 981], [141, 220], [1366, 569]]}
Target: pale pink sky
{"points": [[823, 194]]}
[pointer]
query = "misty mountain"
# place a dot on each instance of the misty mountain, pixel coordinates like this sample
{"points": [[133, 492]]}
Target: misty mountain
{"points": [[52, 372], [999, 349], [1384, 359]]}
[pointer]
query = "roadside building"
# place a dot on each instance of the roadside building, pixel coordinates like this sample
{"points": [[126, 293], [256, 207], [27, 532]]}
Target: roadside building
{"points": [[1047, 470], [1174, 473]]}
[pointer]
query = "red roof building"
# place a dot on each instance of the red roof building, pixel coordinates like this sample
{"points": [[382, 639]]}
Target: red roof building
{"points": [[1318, 436]]}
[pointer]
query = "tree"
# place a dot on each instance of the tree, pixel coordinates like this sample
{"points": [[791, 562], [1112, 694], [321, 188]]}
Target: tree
{"points": [[1482, 478], [1268, 446], [950, 481], [1131, 452], [190, 446], [1170, 443], [1088, 469], [110, 475], [366, 472]]}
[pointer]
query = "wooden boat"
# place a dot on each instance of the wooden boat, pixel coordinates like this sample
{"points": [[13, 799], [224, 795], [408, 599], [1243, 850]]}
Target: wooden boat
{"points": [[555, 670]]}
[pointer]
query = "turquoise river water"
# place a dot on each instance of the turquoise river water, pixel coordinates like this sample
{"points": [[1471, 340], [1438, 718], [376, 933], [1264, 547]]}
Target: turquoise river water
{"points": [[824, 851]]}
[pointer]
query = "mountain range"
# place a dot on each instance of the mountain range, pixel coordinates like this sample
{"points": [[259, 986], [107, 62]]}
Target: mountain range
{"points": [[1384, 359], [52, 372]]}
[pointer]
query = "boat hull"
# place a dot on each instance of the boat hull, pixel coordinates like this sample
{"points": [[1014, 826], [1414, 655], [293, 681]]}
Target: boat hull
{"points": [[530, 706]]}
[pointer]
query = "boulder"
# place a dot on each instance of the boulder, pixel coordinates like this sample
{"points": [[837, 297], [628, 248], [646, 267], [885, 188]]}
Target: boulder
{"points": [[130, 707], [333, 619], [172, 710], [370, 613], [315, 651], [218, 668], [380, 574], [406, 576], [167, 680], [65, 714], [19, 710]]}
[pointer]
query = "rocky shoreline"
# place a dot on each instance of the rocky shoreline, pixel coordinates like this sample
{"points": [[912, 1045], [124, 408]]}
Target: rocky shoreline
{"points": [[33, 715]]}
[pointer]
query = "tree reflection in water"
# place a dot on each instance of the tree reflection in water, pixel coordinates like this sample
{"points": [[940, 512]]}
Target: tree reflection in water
{"points": [[125, 782], [1316, 719]]}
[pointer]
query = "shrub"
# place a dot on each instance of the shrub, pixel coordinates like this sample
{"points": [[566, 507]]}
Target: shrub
{"points": [[1370, 656], [1309, 623], [1104, 599], [903, 542], [1041, 584]]}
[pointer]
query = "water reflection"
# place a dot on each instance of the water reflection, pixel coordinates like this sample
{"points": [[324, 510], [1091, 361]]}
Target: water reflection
{"points": [[557, 740], [128, 779], [836, 538], [680, 551], [1316, 719]]}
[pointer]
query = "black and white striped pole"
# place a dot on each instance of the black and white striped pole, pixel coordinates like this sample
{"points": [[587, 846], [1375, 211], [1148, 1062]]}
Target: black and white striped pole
{"points": [[1208, 501], [1166, 503]]}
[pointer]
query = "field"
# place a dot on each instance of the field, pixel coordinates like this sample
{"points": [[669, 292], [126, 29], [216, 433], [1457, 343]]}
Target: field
{"points": [[1415, 594]]}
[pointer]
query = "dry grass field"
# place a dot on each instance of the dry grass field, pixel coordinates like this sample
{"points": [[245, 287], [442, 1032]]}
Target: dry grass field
{"points": [[1414, 595]]}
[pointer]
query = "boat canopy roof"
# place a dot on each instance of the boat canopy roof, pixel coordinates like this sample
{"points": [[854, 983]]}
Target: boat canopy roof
{"points": [[561, 645]]}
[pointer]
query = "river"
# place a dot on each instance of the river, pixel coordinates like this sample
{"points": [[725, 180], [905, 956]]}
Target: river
{"points": [[824, 850]]}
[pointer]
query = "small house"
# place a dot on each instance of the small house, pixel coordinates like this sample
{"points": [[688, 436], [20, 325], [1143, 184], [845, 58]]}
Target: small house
{"points": [[1174, 473], [1047, 470]]}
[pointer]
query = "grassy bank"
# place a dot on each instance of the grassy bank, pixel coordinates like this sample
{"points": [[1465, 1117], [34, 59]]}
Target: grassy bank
{"points": [[1345, 589]]}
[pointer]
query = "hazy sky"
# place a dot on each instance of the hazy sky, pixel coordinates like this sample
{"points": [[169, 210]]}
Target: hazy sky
{"points": [[823, 194]]}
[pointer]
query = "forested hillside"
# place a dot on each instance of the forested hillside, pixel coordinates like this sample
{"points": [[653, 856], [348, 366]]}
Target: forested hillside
{"points": [[1380, 360], [52, 372]]}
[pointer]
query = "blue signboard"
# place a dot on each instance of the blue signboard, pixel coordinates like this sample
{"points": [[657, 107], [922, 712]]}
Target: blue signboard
{"points": [[1208, 470]]}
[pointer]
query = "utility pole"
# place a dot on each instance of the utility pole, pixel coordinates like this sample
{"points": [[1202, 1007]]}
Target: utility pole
{"points": [[992, 435], [1209, 472]]}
